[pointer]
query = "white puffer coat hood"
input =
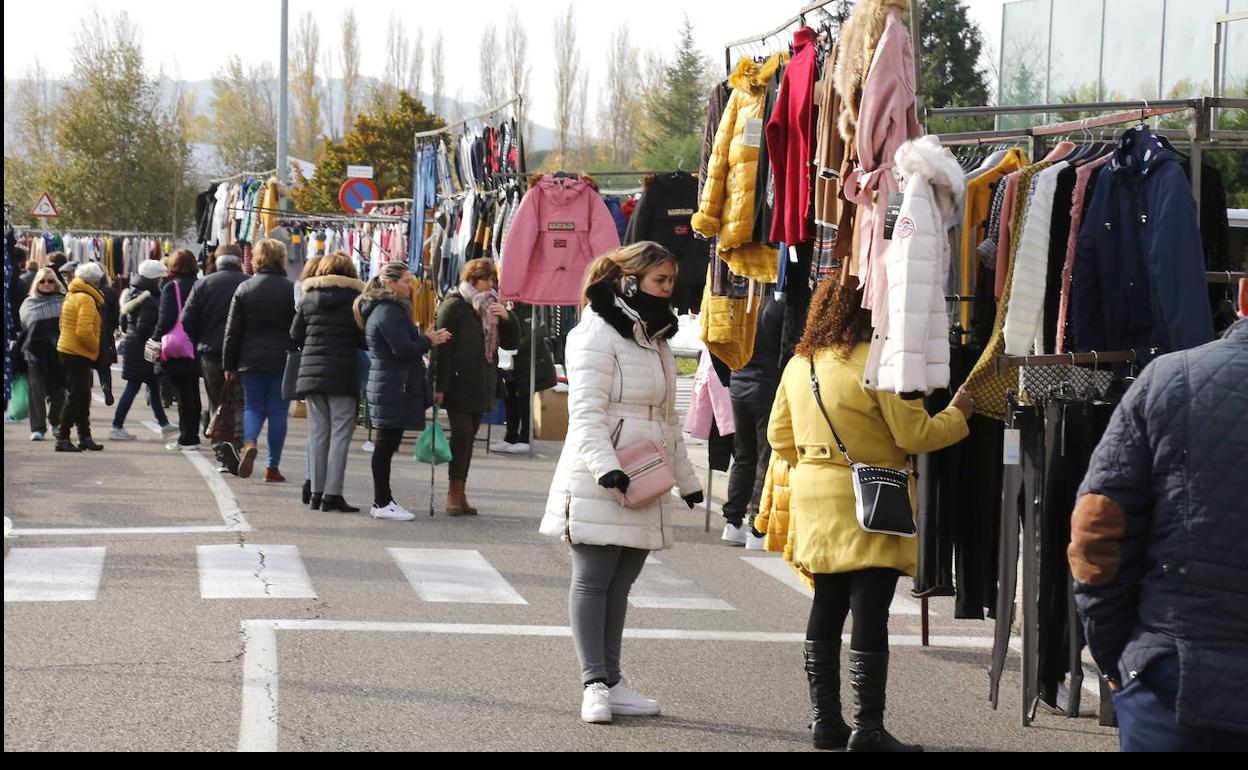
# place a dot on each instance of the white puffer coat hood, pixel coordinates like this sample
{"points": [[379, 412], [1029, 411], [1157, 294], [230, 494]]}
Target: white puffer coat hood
{"points": [[910, 350], [629, 383]]}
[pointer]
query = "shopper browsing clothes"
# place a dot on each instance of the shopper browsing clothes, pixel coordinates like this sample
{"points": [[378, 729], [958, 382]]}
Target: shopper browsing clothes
{"points": [[79, 346], [140, 310], [40, 317], [466, 370], [257, 341], [204, 320], [853, 570], [183, 371], [326, 330], [622, 381], [396, 390]]}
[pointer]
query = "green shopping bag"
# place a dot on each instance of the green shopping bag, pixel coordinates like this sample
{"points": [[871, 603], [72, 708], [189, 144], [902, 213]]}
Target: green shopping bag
{"points": [[432, 447], [19, 399]]}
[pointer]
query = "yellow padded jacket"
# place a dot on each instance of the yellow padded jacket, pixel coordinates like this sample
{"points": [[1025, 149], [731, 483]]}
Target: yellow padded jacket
{"points": [[80, 321], [774, 521], [729, 326], [726, 210]]}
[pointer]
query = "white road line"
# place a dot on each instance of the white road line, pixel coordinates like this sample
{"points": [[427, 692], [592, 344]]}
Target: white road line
{"points": [[776, 567], [53, 574], [661, 588], [153, 427], [452, 575], [227, 505], [258, 725], [252, 572]]}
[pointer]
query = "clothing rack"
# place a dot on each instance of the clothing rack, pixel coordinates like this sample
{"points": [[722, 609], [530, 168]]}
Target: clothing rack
{"points": [[451, 127], [244, 175], [578, 174], [841, 14], [389, 201], [1225, 277], [1005, 363], [299, 215], [78, 233]]}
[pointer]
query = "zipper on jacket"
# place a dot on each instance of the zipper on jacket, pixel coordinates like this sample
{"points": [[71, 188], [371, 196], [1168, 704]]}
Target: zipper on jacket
{"points": [[567, 518]]}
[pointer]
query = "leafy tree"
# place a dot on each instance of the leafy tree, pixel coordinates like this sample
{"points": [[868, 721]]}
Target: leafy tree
{"points": [[242, 116], [950, 75], [124, 155], [381, 138]]}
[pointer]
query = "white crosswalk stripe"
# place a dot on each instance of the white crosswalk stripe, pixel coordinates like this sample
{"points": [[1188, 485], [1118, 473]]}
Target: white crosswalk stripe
{"points": [[253, 572], [452, 575], [53, 574], [776, 567], [660, 587]]}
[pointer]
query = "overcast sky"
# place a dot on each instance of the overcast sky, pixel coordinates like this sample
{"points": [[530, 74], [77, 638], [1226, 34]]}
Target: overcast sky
{"points": [[191, 40]]}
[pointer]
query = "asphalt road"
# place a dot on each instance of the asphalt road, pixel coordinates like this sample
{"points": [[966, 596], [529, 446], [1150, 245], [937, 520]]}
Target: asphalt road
{"points": [[339, 632]]}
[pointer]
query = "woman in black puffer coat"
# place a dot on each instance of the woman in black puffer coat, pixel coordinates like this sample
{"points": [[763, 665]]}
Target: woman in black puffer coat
{"points": [[397, 397], [329, 375], [139, 313], [183, 372]]}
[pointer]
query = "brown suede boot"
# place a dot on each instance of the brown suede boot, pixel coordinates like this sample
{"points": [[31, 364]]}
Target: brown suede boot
{"points": [[247, 460], [457, 501], [273, 474]]}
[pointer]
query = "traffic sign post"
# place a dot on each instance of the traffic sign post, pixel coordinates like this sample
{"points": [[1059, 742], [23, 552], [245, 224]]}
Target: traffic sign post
{"points": [[354, 194], [44, 208]]}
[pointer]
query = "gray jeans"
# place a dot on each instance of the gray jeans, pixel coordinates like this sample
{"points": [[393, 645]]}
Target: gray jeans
{"points": [[331, 422], [601, 578]]}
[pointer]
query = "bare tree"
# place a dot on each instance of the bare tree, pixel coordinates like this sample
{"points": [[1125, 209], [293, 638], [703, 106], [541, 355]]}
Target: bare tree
{"points": [[620, 108], [350, 69], [304, 88], [517, 67], [396, 60], [329, 108], [580, 125], [567, 63], [415, 78], [492, 72], [437, 74], [34, 104]]}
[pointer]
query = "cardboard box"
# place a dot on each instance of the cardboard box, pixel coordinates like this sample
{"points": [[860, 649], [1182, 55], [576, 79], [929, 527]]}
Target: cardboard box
{"points": [[550, 415]]}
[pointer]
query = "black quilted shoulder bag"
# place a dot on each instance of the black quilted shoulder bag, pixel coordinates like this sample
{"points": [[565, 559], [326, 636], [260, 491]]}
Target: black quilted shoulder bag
{"points": [[881, 495]]}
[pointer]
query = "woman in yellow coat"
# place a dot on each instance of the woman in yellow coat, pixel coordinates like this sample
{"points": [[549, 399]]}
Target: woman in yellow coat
{"points": [[79, 347], [852, 568]]}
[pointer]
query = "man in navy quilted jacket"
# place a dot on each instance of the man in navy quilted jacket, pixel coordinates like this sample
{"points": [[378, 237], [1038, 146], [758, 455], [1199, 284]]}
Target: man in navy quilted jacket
{"points": [[1159, 550]]}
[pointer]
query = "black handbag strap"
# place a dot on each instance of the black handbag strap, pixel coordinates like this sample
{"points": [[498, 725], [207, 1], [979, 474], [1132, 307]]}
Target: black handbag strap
{"points": [[814, 385]]}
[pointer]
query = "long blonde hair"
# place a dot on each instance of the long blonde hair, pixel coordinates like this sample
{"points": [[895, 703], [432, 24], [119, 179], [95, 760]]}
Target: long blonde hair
{"points": [[45, 272], [635, 259]]}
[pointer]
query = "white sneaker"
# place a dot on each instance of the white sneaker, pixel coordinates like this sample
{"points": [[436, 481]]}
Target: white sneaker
{"points": [[500, 446], [753, 542], [369, 447], [169, 429], [596, 704], [174, 446], [625, 701], [36, 436], [393, 512], [734, 533], [518, 449], [121, 434]]}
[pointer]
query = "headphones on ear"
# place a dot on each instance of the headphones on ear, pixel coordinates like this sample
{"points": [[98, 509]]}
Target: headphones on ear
{"points": [[629, 285]]}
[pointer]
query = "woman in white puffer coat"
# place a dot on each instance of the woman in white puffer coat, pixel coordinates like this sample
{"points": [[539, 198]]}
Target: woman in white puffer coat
{"points": [[621, 377]]}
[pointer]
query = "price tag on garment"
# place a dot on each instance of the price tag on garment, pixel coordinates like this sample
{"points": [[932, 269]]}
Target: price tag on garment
{"points": [[753, 132], [891, 215], [1013, 447], [793, 254]]}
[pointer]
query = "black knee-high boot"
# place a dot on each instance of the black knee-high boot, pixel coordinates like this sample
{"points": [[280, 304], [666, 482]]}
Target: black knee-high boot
{"points": [[823, 672], [868, 675]]}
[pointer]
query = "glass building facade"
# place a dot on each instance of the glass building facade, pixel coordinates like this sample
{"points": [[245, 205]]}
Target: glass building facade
{"points": [[1055, 51]]}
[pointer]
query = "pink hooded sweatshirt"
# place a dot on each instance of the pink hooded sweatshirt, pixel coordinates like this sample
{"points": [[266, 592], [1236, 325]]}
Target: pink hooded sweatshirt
{"points": [[560, 227], [886, 121]]}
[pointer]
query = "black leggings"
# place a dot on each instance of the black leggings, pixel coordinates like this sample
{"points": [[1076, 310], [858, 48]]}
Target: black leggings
{"points": [[384, 447], [868, 593]]}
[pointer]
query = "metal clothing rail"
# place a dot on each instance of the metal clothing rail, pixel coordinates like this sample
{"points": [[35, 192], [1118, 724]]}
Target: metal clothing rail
{"points": [[799, 18], [1225, 277], [290, 215], [244, 175], [388, 201], [450, 127], [1005, 363], [79, 233]]}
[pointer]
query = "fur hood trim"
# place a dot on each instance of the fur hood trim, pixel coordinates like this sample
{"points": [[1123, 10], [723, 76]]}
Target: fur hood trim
{"points": [[333, 282], [859, 38], [752, 76], [374, 296], [926, 157]]}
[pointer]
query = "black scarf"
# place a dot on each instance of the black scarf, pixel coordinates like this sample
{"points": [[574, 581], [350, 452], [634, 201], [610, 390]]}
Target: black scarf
{"points": [[656, 313]]}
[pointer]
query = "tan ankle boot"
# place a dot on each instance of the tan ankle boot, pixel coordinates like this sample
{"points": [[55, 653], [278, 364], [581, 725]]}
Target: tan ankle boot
{"points": [[457, 501], [273, 475]]}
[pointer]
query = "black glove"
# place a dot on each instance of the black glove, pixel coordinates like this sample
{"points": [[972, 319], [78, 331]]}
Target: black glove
{"points": [[694, 499], [615, 480]]}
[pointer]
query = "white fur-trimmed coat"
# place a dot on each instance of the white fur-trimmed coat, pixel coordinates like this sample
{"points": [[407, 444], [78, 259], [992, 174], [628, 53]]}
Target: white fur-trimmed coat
{"points": [[613, 378], [910, 350]]}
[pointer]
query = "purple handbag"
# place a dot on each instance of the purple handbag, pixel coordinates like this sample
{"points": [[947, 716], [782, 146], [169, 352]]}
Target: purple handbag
{"points": [[176, 344]]}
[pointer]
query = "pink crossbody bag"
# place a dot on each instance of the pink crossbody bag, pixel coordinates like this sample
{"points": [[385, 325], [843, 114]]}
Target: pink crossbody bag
{"points": [[650, 475]]}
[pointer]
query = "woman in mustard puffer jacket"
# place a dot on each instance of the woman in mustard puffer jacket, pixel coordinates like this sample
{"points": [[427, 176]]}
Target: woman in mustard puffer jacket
{"points": [[79, 347], [727, 207]]}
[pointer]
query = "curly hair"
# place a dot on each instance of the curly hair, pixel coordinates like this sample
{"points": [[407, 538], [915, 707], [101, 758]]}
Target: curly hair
{"points": [[836, 320]]}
